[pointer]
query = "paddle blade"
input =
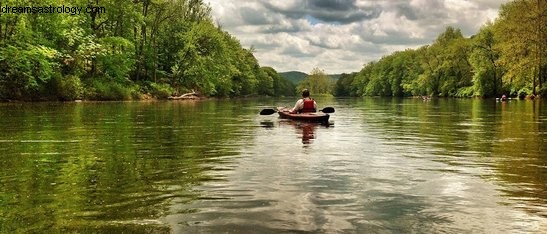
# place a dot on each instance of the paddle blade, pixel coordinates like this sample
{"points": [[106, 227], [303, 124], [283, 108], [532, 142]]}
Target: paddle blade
{"points": [[267, 112], [328, 110]]}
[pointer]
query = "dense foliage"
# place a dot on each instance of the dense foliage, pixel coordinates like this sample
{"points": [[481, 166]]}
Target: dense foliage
{"points": [[125, 49], [280, 86], [504, 57]]}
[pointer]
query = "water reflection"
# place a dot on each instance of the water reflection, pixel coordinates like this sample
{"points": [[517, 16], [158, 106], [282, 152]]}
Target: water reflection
{"points": [[305, 130], [507, 139], [109, 167], [267, 124], [390, 165]]}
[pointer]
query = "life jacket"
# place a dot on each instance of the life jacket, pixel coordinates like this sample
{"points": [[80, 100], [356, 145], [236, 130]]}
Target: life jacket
{"points": [[308, 106]]}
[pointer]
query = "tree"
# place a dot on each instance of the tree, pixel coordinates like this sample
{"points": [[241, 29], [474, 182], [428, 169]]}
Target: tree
{"points": [[410, 64], [280, 85], [24, 72], [522, 33], [485, 62], [506, 55], [343, 87], [202, 59], [133, 46], [317, 82], [362, 79]]}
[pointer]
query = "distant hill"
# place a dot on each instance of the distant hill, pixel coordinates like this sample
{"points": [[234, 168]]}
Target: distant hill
{"points": [[335, 77], [296, 77]]}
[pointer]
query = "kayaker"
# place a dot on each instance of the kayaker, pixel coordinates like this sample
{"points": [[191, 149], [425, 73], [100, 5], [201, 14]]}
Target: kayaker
{"points": [[304, 105], [503, 98]]}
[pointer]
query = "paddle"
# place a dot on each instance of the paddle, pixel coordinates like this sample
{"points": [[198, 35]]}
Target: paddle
{"points": [[267, 111], [328, 110], [272, 111]]}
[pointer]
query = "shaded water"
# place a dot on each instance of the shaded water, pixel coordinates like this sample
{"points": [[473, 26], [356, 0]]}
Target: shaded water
{"points": [[396, 165]]}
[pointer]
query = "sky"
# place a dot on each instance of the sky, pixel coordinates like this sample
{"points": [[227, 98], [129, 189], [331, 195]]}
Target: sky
{"points": [[340, 36]]}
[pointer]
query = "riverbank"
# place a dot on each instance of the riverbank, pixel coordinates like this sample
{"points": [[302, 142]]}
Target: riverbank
{"points": [[150, 98], [196, 96]]}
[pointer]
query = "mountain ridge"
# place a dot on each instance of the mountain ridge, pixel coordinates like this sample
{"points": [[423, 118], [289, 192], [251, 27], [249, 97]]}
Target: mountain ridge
{"points": [[297, 76]]}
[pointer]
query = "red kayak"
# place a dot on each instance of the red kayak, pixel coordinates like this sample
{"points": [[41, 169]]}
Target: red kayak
{"points": [[307, 117]]}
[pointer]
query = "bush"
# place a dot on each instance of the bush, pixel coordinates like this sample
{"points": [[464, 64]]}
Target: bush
{"points": [[522, 93], [68, 88], [24, 72], [161, 91], [107, 90], [465, 92]]}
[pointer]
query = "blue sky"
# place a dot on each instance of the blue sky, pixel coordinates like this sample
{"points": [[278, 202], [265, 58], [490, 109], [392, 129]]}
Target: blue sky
{"points": [[343, 35], [312, 20]]}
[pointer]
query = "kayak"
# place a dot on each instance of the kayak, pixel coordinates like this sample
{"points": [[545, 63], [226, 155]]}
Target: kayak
{"points": [[307, 117]]}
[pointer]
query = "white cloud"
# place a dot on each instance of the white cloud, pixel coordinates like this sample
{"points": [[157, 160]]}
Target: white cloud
{"points": [[342, 35]]}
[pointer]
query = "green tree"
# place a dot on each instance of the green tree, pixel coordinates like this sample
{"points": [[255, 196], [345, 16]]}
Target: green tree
{"points": [[362, 79], [317, 82], [378, 84], [202, 61], [485, 62], [393, 75], [280, 85], [506, 55], [156, 44], [24, 72], [343, 86], [522, 33], [445, 64], [411, 70]]}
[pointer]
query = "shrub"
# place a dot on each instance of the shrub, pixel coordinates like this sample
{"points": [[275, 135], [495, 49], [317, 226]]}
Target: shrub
{"points": [[25, 71], [68, 88], [161, 91], [108, 90], [465, 92]]}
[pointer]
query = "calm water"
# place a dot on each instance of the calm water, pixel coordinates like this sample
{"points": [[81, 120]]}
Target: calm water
{"points": [[384, 165]]}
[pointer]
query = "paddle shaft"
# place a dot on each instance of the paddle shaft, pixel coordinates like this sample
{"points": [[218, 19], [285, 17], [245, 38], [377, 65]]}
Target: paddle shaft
{"points": [[272, 111]]}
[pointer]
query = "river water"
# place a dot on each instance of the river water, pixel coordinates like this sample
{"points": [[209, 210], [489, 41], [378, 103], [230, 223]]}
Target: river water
{"points": [[381, 165]]}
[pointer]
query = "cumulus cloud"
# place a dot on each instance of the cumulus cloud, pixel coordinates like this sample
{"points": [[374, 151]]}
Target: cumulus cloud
{"points": [[343, 35]]}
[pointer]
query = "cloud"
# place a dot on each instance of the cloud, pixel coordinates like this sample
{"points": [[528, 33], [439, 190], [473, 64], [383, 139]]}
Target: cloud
{"points": [[254, 17], [343, 35], [331, 11]]}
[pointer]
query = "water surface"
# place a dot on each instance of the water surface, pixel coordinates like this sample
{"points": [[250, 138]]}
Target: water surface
{"points": [[383, 165]]}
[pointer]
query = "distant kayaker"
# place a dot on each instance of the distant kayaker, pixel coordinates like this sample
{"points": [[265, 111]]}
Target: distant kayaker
{"points": [[503, 98], [305, 104]]}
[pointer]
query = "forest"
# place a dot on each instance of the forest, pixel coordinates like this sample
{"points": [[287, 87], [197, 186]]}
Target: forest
{"points": [[127, 50], [159, 48], [506, 56]]}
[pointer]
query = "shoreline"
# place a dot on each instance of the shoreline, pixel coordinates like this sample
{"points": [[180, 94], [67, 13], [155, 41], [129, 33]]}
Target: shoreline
{"points": [[202, 98]]}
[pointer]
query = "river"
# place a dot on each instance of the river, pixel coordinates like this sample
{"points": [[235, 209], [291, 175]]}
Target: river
{"points": [[381, 165]]}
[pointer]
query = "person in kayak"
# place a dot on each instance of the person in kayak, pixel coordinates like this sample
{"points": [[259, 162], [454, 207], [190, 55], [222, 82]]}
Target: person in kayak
{"points": [[503, 98], [304, 105]]}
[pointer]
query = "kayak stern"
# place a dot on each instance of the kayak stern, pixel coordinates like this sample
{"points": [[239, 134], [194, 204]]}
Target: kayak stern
{"points": [[317, 117]]}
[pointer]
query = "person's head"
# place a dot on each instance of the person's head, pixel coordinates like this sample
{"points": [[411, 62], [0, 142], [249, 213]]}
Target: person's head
{"points": [[305, 93]]}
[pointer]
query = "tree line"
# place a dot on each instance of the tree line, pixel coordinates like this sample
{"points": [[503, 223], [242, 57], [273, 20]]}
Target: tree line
{"points": [[168, 47], [134, 48], [506, 56]]}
